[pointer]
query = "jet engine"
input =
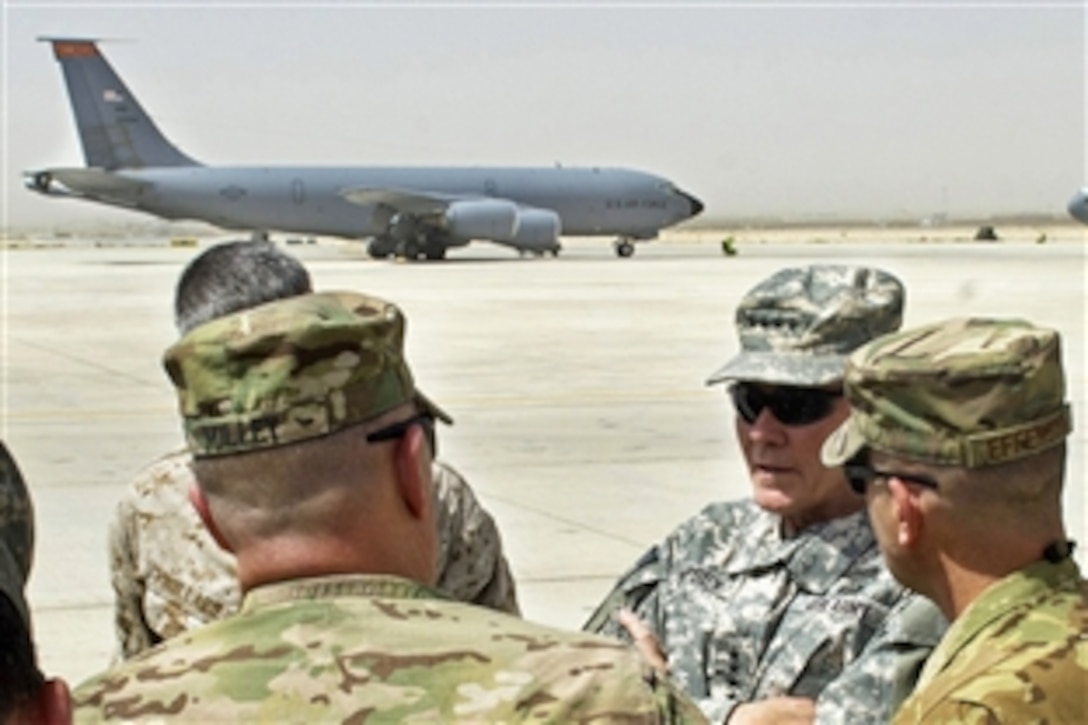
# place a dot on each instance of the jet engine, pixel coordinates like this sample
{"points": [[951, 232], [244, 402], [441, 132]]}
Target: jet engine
{"points": [[494, 219], [538, 229]]}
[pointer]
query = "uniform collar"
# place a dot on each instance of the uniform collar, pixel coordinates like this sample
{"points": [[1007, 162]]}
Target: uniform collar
{"points": [[815, 558], [335, 586]]}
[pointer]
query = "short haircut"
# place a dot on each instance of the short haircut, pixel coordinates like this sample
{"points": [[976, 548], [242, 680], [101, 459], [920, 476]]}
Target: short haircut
{"points": [[235, 276], [20, 678], [257, 495], [1025, 488]]}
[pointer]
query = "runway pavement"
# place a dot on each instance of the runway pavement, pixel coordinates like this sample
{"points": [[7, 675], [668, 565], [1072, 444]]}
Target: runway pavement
{"points": [[577, 386]]}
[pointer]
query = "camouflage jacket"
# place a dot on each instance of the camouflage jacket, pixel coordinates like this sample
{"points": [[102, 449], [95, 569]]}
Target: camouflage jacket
{"points": [[1017, 654], [744, 614], [379, 649], [170, 576]]}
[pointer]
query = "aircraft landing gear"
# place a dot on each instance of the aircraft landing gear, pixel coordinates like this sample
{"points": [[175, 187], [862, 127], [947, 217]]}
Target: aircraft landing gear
{"points": [[540, 252], [420, 247], [624, 248], [408, 249], [434, 250], [380, 248]]}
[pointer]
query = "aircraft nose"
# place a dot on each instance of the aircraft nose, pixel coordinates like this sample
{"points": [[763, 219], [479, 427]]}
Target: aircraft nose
{"points": [[696, 205], [1078, 206]]}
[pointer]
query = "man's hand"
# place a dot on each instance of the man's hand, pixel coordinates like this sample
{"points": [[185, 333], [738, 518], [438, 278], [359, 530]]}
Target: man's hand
{"points": [[782, 710], [646, 642], [778, 710]]}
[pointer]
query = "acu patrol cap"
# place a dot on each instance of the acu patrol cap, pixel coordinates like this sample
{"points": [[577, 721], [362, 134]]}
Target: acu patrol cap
{"points": [[965, 392], [798, 326], [291, 370], [16, 535]]}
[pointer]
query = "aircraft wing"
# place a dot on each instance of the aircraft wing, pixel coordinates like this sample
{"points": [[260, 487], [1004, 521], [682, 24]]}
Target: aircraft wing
{"points": [[413, 217], [412, 202]]}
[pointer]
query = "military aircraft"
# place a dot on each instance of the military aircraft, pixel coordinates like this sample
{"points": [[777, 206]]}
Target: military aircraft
{"points": [[1078, 206], [411, 212]]}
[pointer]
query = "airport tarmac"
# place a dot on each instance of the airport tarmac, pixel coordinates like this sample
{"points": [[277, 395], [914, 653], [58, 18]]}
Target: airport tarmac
{"points": [[582, 419]]}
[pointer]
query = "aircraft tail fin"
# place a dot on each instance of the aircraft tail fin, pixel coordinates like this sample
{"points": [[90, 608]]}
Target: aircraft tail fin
{"points": [[114, 129]]}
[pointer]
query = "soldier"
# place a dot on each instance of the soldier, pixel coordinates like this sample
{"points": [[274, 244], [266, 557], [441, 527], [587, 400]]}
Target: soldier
{"points": [[312, 451], [168, 574], [957, 441], [778, 607], [26, 696]]}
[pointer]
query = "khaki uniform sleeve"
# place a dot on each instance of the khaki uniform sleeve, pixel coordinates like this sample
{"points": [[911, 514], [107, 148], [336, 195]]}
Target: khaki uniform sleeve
{"points": [[168, 574], [471, 566], [133, 634]]}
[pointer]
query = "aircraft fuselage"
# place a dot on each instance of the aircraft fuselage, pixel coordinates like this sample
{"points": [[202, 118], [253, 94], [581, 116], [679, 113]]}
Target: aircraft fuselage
{"points": [[310, 200]]}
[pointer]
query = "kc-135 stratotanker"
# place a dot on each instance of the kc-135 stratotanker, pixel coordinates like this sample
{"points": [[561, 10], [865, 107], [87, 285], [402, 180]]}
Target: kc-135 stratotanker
{"points": [[408, 211]]}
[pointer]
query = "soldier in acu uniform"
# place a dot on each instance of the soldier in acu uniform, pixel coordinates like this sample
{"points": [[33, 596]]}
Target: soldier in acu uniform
{"points": [[168, 575], [312, 455], [958, 440], [779, 607]]}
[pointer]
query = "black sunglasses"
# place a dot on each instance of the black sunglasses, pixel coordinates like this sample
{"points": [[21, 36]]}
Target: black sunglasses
{"points": [[859, 472], [397, 430], [789, 405]]}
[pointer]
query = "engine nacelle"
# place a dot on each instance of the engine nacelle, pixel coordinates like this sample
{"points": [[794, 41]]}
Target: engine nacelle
{"points": [[538, 229], [494, 219]]}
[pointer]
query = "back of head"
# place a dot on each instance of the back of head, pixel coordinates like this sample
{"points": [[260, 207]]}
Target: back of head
{"points": [[286, 407], [969, 393], [20, 678], [798, 326], [235, 276]]}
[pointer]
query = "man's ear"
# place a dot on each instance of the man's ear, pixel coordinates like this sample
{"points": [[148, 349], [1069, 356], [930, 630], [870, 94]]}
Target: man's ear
{"points": [[203, 510], [54, 703], [413, 466], [907, 509]]}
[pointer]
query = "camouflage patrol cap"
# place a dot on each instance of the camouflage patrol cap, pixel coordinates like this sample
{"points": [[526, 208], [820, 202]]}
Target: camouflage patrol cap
{"points": [[797, 326], [965, 392], [16, 534], [291, 370]]}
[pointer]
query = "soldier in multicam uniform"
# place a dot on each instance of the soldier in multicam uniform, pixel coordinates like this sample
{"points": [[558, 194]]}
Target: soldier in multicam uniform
{"points": [[168, 574], [958, 440], [26, 695], [779, 606], [312, 455]]}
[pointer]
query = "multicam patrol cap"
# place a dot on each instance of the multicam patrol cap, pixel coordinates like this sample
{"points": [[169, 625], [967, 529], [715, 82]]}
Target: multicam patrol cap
{"points": [[16, 534], [797, 326], [291, 370], [964, 392]]}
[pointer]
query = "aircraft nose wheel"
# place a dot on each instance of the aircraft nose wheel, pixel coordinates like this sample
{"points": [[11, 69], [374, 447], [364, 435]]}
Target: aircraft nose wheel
{"points": [[624, 248]]}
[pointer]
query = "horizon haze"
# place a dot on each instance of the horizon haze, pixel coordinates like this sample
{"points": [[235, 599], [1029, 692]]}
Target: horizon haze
{"points": [[877, 112]]}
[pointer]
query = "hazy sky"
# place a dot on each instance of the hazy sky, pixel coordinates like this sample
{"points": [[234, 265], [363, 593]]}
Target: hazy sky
{"points": [[799, 110]]}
